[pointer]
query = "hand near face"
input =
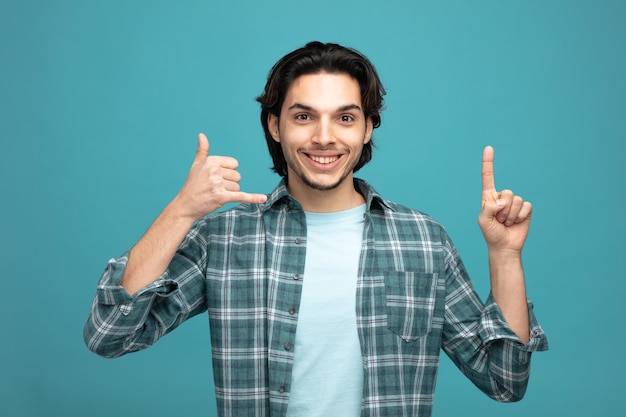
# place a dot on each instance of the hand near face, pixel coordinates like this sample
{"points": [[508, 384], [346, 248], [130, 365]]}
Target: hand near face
{"points": [[212, 182], [505, 217]]}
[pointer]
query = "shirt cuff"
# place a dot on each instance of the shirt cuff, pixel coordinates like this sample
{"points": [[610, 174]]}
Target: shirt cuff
{"points": [[494, 327], [110, 292]]}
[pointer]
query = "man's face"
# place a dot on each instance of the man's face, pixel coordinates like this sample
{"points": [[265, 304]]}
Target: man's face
{"points": [[322, 130]]}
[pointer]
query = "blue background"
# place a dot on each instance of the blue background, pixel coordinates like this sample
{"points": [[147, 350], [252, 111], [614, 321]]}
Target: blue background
{"points": [[101, 102]]}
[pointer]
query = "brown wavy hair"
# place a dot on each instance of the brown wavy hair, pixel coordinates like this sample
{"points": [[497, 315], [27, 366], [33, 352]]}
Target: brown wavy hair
{"points": [[314, 58]]}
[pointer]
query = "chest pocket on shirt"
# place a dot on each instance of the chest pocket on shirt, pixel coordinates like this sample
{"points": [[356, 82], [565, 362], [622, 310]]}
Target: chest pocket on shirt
{"points": [[410, 303]]}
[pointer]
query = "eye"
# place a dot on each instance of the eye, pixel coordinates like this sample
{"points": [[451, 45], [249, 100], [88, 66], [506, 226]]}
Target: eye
{"points": [[346, 118], [302, 117]]}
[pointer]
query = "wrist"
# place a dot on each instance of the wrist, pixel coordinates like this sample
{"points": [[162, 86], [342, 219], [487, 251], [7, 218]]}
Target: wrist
{"points": [[176, 214], [504, 254], [181, 209], [502, 261]]}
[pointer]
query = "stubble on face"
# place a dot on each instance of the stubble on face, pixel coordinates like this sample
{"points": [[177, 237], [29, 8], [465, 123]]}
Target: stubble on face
{"points": [[314, 183]]}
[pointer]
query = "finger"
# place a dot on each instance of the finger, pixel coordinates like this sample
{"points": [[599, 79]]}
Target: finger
{"points": [[203, 147], [505, 203], [226, 162], [231, 175], [487, 169], [516, 207], [525, 213], [242, 197], [232, 186]]}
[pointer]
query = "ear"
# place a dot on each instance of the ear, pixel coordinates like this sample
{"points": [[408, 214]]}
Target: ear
{"points": [[369, 129], [272, 125]]}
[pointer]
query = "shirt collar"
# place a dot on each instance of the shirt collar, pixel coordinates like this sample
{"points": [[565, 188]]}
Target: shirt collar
{"points": [[280, 195]]}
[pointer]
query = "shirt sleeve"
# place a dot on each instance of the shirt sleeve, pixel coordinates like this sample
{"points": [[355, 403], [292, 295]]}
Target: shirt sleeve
{"points": [[479, 341], [121, 323], [493, 327]]}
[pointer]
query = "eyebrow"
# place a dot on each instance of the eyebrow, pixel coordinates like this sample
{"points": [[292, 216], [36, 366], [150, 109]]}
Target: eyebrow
{"points": [[301, 106]]}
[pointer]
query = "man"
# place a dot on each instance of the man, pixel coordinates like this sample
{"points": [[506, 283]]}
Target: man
{"points": [[324, 299]]}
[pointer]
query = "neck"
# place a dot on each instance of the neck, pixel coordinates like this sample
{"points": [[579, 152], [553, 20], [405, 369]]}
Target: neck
{"points": [[343, 197]]}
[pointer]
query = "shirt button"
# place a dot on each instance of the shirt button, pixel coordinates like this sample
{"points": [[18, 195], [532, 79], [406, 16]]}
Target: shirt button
{"points": [[296, 277], [298, 240], [292, 311], [126, 309], [281, 389], [287, 347]]}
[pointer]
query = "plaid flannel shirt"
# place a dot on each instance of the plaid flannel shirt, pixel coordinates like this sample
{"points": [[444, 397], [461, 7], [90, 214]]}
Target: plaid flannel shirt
{"points": [[245, 266]]}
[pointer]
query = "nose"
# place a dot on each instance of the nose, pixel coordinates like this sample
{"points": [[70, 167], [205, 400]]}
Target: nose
{"points": [[324, 134]]}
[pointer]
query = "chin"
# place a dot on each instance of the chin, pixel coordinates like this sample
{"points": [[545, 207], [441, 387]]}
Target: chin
{"points": [[322, 185]]}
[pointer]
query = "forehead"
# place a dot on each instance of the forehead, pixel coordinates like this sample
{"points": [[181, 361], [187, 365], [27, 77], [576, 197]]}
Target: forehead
{"points": [[323, 90]]}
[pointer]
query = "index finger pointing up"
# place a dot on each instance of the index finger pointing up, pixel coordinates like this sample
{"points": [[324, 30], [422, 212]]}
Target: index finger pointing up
{"points": [[487, 171]]}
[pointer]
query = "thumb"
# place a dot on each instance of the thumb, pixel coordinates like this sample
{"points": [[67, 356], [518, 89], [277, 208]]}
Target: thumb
{"points": [[203, 147], [492, 204], [490, 209]]}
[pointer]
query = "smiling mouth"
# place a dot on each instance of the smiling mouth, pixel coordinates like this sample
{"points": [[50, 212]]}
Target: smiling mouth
{"points": [[324, 159]]}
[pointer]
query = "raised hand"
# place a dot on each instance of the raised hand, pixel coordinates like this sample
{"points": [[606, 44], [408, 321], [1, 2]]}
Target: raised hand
{"points": [[505, 217], [212, 182]]}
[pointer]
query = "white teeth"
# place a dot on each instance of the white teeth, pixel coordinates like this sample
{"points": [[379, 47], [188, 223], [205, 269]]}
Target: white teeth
{"points": [[324, 159]]}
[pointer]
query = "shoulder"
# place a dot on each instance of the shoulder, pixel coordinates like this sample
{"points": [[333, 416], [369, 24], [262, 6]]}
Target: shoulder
{"points": [[400, 210], [239, 214], [401, 213], [409, 223], [390, 209]]}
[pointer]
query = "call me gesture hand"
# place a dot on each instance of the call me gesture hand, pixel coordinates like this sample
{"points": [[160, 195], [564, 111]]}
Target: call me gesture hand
{"points": [[212, 182], [504, 220]]}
